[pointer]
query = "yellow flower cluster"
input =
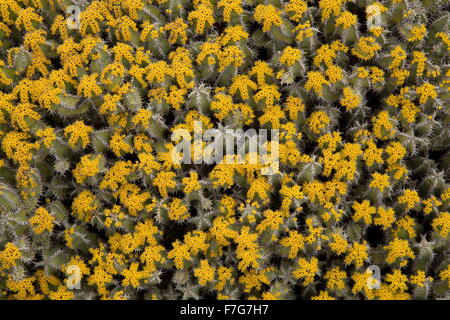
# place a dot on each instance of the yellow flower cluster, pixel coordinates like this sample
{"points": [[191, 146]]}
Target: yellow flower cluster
{"points": [[8, 256], [99, 114], [268, 16], [350, 100], [42, 221], [290, 56]]}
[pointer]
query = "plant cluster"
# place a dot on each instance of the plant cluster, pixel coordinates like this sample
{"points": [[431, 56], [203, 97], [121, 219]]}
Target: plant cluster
{"points": [[93, 206]]}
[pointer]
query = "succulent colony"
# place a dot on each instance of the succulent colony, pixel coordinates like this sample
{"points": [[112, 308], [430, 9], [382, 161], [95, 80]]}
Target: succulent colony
{"points": [[92, 205]]}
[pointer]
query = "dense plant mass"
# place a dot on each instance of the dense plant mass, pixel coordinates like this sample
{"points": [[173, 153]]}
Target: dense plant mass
{"points": [[92, 205]]}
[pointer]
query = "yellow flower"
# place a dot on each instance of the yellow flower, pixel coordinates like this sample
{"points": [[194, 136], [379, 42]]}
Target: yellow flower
{"points": [[177, 30], [203, 16], [315, 82], [204, 273], [417, 33], [317, 121], [339, 244], [405, 225], [177, 210], [28, 19], [247, 250], [380, 181], [229, 7], [132, 198], [164, 180], [386, 217], [230, 56], [84, 205], [330, 8], [410, 198], [306, 270], [445, 274], [363, 211], [419, 278], [290, 56], [335, 278], [323, 295], [87, 167], [398, 56], [42, 221], [179, 254], [304, 31], [21, 113], [117, 175], [419, 58], [334, 74], [426, 91], [383, 127], [61, 294], [398, 249], [119, 144], [295, 242], [350, 100], [78, 134], [9, 256], [365, 48], [346, 19], [268, 15], [88, 86], [132, 276], [191, 183], [397, 280], [357, 254], [48, 136], [297, 8], [441, 224]]}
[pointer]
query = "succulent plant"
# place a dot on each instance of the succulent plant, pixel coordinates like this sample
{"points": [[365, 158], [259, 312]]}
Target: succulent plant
{"points": [[93, 205]]}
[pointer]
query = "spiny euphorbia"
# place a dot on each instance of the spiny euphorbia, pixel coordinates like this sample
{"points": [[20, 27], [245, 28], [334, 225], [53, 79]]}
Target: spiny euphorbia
{"points": [[92, 205]]}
